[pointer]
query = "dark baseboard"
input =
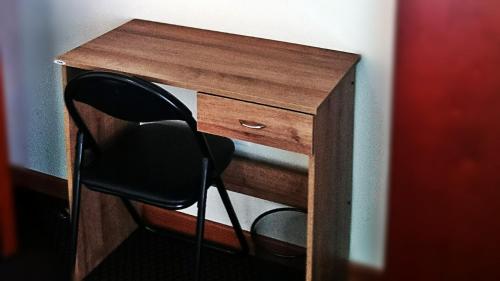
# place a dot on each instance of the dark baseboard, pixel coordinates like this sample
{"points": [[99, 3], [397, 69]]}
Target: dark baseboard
{"points": [[178, 222], [39, 182]]}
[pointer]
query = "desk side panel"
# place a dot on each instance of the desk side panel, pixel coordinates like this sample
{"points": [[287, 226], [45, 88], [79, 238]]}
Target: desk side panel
{"points": [[330, 186], [104, 221]]}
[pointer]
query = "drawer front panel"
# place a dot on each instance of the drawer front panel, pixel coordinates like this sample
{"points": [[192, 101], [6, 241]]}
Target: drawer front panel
{"points": [[256, 123]]}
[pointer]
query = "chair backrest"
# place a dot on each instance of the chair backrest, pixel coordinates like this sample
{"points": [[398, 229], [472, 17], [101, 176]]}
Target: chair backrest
{"points": [[127, 98]]}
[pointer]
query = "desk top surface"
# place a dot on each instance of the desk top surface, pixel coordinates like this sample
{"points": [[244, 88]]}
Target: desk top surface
{"points": [[279, 74]]}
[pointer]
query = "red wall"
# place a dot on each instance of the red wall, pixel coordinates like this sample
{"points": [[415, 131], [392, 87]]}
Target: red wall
{"points": [[7, 229], [444, 221]]}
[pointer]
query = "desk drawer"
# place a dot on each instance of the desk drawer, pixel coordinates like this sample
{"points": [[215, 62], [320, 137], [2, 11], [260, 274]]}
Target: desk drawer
{"points": [[256, 123]]}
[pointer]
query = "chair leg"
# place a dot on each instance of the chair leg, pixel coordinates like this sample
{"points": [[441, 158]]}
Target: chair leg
{"points": [[133, 212], [75, 215], [232, 215], [200, 221], [75, 207]]}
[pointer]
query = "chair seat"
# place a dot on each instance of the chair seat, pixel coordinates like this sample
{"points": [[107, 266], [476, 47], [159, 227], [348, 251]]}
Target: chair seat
{"points": [[157, 163]]}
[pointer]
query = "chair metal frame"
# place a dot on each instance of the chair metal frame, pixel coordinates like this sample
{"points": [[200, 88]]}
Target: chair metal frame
{"points": [[85, 141]]}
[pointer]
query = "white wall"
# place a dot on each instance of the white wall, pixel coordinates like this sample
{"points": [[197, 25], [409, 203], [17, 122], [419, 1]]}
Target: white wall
{"points": [[50, 27], [10, 45]]}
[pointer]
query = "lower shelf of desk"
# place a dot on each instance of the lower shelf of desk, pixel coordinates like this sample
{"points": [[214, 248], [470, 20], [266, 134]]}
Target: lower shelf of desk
{"points": [[266, 181]]}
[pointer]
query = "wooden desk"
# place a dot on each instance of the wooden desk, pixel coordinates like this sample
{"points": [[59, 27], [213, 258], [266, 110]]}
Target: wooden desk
{"points": [[303, 96]]}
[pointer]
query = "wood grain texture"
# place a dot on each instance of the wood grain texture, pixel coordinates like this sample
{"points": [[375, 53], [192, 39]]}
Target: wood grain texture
{"points": [[283, 129], [302, 94], [279, 74], [267, 181], [8, 239], [330, 185], [104, 221]]}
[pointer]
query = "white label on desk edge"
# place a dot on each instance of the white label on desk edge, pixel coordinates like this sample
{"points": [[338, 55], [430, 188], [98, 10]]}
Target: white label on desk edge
{"points": [[60, 62]]}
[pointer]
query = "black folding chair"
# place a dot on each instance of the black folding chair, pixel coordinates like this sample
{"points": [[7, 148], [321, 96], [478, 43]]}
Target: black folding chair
{"points": [[169, 164]]}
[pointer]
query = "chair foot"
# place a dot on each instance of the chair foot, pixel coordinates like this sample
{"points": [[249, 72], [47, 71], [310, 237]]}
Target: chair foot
{"points": [[200, 220], [75, 211], [75, 214]]}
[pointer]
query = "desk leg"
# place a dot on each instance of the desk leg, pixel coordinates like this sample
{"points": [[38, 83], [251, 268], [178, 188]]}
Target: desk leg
{"points": [[104, 221], [330, 186]]}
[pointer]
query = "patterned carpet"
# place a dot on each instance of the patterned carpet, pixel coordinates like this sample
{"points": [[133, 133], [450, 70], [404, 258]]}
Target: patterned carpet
{"points": [[44, 231]]}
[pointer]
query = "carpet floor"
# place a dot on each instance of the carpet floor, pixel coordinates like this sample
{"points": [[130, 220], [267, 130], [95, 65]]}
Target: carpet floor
{"points": [[44, 233]]}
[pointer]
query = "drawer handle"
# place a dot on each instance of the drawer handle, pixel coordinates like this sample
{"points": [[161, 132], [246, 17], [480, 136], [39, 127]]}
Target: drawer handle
{"points": [[252, 125]]}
